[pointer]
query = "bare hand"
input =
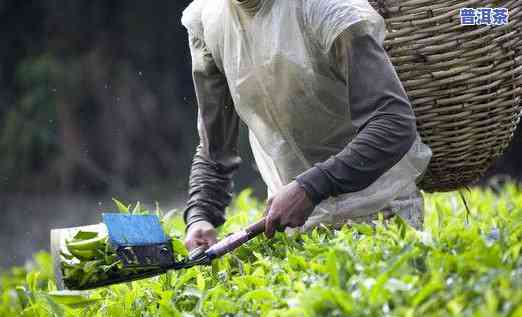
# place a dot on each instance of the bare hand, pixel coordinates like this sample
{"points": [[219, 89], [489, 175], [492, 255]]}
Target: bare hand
{"points": [[291, 207], [201, 233]]}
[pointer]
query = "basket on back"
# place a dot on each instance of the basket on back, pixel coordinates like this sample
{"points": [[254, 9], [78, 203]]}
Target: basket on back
{"points": [[465, 82]]}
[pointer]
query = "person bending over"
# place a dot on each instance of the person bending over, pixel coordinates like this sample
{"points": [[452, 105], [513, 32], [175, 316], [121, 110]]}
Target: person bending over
{"points": [[330, 126]]}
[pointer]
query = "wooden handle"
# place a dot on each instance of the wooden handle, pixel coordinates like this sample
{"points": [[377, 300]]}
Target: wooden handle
{"points": [[235, 240], [256, 228]]}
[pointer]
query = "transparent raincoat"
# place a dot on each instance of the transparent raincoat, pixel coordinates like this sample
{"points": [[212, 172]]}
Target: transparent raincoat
{"points": [[297, 113]]}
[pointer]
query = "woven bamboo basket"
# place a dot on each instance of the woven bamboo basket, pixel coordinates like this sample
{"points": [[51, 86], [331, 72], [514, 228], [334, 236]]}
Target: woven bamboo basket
{"points": [[464, 82]]}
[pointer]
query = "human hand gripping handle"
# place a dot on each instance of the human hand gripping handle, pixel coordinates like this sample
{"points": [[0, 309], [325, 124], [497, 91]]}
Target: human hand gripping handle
{"points": [[200, 234], [204, 234], [290, 207]]}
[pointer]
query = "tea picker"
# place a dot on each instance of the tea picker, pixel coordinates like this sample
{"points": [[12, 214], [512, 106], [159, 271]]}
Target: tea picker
{"points": [[338, 132]]}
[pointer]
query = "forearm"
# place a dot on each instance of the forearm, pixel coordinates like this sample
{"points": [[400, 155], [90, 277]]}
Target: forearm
{"points": [[209, 191], [375, 150], [216, 157]]}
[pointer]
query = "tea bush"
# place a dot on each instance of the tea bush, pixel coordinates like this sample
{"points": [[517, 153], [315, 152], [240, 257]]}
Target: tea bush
{"points": [[465, 263]]}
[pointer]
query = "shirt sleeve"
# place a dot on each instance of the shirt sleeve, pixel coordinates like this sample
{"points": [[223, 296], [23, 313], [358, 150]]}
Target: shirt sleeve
{"points": [[380, 111], [216, 156]]}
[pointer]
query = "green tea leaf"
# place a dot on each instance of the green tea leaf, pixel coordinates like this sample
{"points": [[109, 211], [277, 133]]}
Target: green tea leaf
{"points": [[120, 206], [73, 299], [179, 247], [85, 235]]}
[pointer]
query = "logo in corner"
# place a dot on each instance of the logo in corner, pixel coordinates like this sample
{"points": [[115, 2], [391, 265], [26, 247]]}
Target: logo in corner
{"points": [[484, 16]]}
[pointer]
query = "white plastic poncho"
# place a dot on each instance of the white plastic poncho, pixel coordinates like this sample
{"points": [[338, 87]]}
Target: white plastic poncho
{"points": [[297, 115]]}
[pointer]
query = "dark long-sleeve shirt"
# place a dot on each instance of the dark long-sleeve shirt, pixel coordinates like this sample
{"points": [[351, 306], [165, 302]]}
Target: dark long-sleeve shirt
{"points": [[216, 157], [379, 109]]}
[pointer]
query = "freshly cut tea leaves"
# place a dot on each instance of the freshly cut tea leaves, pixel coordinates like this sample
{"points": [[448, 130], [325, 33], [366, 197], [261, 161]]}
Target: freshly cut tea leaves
{"points": [[88, 260]]}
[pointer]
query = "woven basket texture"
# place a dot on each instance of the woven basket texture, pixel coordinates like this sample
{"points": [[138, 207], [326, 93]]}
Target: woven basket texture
{"points": [[464, 82]]}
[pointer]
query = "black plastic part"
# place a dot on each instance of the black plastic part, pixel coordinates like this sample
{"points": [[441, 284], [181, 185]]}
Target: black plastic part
{"points": [[202, 260], [158, 255], [123, 279]]}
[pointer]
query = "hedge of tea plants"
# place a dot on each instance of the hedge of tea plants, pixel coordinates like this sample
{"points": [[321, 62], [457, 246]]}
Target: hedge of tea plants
{"points": [[465, 263]]}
